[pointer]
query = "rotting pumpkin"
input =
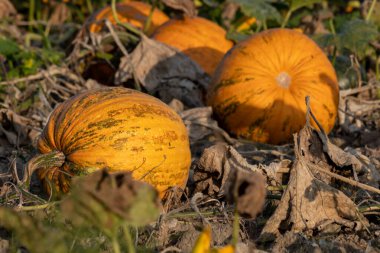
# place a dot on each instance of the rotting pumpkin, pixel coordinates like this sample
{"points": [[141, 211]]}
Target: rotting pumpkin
{"points": [[258, 91], [200, 39], [119, 129], [134, 12]]}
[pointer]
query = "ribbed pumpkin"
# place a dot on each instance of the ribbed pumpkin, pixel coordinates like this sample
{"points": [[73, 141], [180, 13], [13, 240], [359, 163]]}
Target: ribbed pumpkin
{"points": [[119, 129], [258, 91], [135, 13], [200, 39]]}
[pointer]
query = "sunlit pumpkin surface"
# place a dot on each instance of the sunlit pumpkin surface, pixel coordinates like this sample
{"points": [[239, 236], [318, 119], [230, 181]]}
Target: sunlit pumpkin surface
{"points": [[119, 129], [200, 39], [258, 91], [134, 13]]}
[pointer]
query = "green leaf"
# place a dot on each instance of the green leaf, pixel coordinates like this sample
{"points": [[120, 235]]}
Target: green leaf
{"points": [[144, 209], [260, 9], [355, 35], [8, 47], [31, 233], [325, 40], [297, 4]]}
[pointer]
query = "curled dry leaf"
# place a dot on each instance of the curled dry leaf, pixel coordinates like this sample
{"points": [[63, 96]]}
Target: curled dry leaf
{"points": [[6, 9], [309, 202], [164, 72], [17, 129], [103, 199], [229, 13], [60, 14], [203, 129], [216, 167], [360, 112], [186, 6], [247, 190]]}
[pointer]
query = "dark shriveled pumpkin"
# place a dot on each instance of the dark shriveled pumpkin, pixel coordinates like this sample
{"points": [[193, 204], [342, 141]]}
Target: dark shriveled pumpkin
{"points": [[119, 129], [258, 91]]}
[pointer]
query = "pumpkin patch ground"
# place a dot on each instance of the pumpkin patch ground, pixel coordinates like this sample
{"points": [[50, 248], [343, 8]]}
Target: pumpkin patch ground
{"points": [[189, 126]]}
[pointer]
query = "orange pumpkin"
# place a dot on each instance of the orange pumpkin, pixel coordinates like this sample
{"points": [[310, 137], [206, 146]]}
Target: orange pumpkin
{"points": [[134, 13], [119, 129], [258, 91], [200, 39]]}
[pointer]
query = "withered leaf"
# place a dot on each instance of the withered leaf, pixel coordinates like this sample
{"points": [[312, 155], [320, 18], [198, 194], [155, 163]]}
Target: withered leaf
{"points": [[247, 190], [31, 233], [164, 72], [201, 126], [309, 202], [6, 9], [60, 14], [17, 129], [216, 167], [229, 12], [186, 6], [106, 200]]}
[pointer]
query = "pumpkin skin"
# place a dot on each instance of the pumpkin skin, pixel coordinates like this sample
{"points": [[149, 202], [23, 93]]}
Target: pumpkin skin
{"points": [[200, 39], [258, 91], [135, 13], [119, 129]]}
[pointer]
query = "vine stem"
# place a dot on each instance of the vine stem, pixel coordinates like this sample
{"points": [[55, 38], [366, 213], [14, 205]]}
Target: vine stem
{"points": [[371, 8], [42, 161], [235, 228], [148, 22], [128, 238], [32, 7], [286, 19], [37, 207], [126, 25], [115, 244]]}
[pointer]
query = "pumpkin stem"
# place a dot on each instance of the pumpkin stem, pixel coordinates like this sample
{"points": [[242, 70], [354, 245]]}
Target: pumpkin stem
{"points": [[283, 80], [42, 161]]}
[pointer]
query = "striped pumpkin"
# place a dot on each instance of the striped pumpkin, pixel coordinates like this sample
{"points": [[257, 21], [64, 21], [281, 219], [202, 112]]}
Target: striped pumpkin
{"points": [[119, 129], [258, 91], [134, 13]]}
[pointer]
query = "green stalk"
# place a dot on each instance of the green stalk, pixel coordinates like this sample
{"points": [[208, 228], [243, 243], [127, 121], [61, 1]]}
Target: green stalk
{"points": [[128, 239], [332, 27], [265, 26], [89, 6], [32, 7], [148, 22], [235, 228], [115, 244], [126, 25], [371, 8], [42, 161], [286, 19]]}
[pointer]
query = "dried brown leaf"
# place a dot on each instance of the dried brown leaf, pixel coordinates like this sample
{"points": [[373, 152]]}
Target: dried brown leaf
{"points": [[101, 198], [216, 167], [6, 9], [229, 13], [247, 190], [164, 72], [203, 128], [186, 6], [60, 14], [17, 129], [309, 202]]}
